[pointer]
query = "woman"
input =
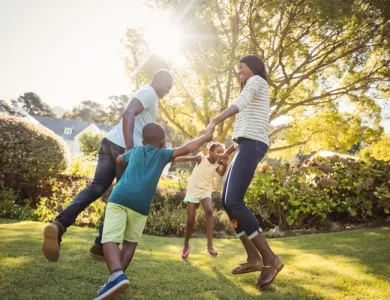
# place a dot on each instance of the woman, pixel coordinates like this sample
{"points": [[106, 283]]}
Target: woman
{"points": [[251, 136]]}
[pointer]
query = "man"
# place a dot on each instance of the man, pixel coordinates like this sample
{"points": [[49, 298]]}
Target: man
{"points": [[141, 109]]}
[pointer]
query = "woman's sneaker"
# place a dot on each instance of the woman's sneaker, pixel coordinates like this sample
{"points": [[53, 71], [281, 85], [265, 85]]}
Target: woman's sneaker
{"points": [[113, 288]]}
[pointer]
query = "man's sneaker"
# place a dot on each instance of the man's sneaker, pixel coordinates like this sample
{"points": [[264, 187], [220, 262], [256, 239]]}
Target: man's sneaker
{"points": [[113, 288], [52, 240], [96, 251]]}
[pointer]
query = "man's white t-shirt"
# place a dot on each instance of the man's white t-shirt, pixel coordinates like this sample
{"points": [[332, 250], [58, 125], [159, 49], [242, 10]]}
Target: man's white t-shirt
{"points": [[148, 98]]}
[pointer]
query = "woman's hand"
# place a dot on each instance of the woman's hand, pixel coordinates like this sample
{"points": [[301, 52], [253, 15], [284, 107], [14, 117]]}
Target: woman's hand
{"points": [[211, 125]]}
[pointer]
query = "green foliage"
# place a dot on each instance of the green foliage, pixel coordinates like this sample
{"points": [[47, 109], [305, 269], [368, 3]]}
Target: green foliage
{"points": [[12, 208], [168, 216], [328, 129], [333, 188], [90, 142], [32, 104], [177, 180], [91, 111], [82, 166], [380, 150], [61, 191], [317, 53], [49, 208], [29, 154]]}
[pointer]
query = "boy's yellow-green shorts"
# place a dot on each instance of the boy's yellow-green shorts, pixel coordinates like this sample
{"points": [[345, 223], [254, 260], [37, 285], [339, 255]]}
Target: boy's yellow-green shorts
{"points": [[122, 224]]}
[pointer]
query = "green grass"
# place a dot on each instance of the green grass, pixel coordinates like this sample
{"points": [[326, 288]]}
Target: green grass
{"points": [[346, 265]]}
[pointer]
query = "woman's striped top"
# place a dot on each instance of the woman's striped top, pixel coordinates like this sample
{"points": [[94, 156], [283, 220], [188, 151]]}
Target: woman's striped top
{"points": [[252, 121]]}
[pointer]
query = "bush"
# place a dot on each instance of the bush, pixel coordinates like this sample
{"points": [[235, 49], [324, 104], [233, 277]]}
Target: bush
{"points": [[63, 192], [11, 209], [168, 217], [328, 188], [82, 167], [29, 154], [90, 142]]}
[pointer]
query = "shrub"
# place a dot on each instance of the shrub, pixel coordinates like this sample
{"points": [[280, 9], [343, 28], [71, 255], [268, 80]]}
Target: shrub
{"points": [[90, 142], [29, 154], [63, 193], [169, 218], [10, 208], [328, 188], [82, 167]]}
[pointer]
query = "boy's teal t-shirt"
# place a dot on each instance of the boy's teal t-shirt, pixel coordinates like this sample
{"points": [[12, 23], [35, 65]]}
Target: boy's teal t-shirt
{"points": [[138, 183]]}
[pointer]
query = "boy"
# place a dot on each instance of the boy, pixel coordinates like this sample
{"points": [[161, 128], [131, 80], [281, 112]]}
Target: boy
{"points": [[130, 201]]}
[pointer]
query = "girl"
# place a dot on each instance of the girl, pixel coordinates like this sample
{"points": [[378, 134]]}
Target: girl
{"points": [[199, 190], [251, 136]]}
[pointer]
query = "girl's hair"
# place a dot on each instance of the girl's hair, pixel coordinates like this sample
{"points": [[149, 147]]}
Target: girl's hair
{"points": [[214, 145], [256, 65]]}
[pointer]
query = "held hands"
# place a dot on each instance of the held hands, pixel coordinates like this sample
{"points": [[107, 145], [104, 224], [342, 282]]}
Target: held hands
{"points": [[211, 125], [223, 159], [209, 134]]}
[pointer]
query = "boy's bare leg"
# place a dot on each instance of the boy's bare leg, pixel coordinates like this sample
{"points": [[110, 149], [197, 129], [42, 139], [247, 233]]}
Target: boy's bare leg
{"points": [[112, 255], [208, 211], [127, 253]]}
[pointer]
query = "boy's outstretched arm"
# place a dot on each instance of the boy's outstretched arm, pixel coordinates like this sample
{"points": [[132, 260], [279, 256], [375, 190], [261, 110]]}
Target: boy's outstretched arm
{"points": [[193, 145], [196, 158]]}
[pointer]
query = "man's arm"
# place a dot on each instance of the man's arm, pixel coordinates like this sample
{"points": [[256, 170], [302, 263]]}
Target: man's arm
{"points": [[196, 158], [133, 109], [193, 145]]}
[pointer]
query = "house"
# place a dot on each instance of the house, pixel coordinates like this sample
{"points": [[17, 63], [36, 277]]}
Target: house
{"points": [[71, 130]]}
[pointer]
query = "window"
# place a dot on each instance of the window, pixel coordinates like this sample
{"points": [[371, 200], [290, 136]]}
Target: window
{"points": [[68, 130]]}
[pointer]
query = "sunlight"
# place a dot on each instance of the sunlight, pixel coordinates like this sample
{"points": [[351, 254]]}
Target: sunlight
{"points": [[163, 39]]}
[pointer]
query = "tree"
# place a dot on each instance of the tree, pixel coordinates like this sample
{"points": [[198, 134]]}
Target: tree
{"points": [[116, 108], [378, 150], [90, 142], [317, 53], [326, 130], [5, 107], [32, 104], [87, 111]]}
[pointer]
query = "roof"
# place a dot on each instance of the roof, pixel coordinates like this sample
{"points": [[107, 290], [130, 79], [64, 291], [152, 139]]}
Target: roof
{"points": [[104, 127], [59, 125]]}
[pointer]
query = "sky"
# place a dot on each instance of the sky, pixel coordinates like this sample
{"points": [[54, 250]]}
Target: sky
{"points": [[70, 51], [65, 51]]}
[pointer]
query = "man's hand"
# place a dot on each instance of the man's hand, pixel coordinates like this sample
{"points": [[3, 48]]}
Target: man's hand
{"points": [[130, 146], [209, 134], [211, 125]]}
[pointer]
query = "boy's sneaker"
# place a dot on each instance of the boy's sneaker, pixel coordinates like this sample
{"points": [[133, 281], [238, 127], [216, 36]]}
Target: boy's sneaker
{"points": [[96, 251], [52, 240], [113, 288]]}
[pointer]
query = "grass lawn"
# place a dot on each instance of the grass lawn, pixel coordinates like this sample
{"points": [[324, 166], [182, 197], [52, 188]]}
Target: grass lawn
{"points": [[346, 265]]}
